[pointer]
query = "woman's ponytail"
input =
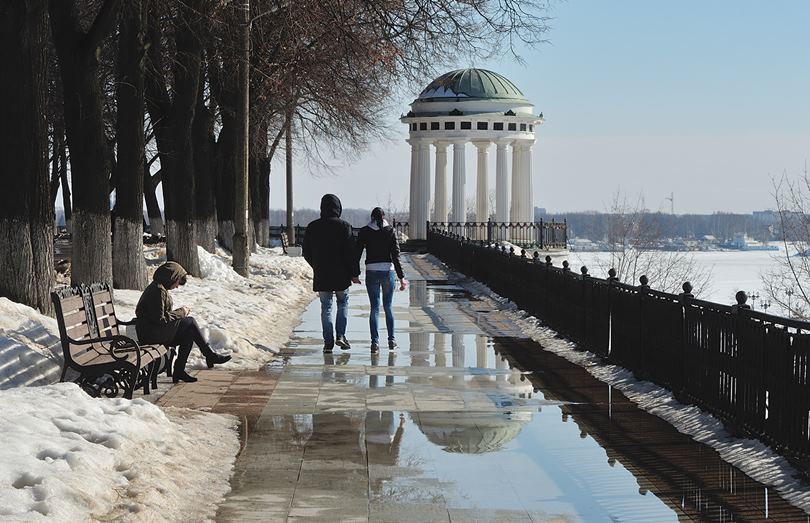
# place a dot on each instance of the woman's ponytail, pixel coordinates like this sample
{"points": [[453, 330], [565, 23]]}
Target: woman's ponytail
{"points": [[377, 216]]}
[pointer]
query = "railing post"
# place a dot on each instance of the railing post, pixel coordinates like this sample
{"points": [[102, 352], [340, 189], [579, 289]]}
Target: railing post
{"points": [[684, 297], [489, 230], [642, 359], [541, 232]]}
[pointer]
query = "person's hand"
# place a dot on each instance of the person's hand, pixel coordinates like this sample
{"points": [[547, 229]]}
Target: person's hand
{"points": [[403, 283], [356, 280], [186, 310]]}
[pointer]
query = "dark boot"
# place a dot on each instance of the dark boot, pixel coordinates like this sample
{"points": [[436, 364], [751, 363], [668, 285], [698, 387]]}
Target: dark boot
{"points": [[211, 357], [216, 359], [180, 375]]}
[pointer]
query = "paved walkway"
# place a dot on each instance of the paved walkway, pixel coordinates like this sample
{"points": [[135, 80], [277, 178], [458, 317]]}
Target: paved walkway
{"points": [[467, 421]]}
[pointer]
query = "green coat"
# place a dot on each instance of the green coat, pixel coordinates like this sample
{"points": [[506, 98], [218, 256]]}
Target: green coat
{"points": [[156, 321]]}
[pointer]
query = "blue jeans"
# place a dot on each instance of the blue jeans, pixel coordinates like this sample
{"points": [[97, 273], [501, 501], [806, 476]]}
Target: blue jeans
{"points": [[326, 314], [374, 281]]}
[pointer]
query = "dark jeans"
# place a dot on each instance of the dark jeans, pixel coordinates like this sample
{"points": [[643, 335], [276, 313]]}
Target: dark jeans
{"points": [[188, 333], [385, 281]]}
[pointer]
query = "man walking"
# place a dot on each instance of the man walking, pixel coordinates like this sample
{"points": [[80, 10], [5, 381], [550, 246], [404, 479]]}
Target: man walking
{"points": [[329, 248]]}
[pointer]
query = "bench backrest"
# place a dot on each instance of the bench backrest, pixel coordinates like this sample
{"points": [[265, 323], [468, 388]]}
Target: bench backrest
{"points": [[74, 315], [103, 309]]}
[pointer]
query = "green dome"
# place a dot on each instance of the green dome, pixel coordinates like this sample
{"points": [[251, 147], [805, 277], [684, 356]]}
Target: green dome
{"points": [[470, 84]]}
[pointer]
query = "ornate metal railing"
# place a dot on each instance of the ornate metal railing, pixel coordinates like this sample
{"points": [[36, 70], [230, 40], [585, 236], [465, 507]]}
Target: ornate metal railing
{"points": [[748, 368], [540, 235]]}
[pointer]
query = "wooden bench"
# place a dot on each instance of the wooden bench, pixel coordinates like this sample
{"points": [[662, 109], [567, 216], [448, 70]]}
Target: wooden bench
{"points": [[106, 360], [285, 242]]}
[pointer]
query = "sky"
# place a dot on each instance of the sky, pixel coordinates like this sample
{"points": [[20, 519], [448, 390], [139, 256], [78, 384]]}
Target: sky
{"points": [[704, 100]]}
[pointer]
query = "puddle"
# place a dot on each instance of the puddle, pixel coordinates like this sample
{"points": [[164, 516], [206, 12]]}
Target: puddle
{"points": [[460, 419]]}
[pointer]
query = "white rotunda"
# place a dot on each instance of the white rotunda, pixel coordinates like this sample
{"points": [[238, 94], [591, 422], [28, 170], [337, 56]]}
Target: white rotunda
{"points": [[482, 107]]}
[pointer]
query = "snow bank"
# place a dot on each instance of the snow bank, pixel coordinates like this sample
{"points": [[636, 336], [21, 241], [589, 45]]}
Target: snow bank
{"points": [[250, 318], [30, 351], [749, 455], [69, 457]]}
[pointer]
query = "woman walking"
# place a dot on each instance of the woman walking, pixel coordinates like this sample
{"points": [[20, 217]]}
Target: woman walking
{"points": [[382, 271], [157, 322]]}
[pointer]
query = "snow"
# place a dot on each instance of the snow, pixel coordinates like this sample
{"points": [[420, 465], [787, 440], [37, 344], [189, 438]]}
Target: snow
{"points": [[69, 457], [749, 455], [731, 270], [250, 318]]}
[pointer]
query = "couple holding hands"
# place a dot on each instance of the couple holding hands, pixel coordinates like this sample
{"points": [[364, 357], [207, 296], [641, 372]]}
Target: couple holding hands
{"points": [[330, 248]]}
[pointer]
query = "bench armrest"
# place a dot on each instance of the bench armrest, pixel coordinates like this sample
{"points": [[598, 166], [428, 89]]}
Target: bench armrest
{"points": [[117, 346]]}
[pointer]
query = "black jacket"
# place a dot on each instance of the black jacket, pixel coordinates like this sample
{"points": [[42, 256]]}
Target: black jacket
{"points": [[329, 248], [381, 246]]}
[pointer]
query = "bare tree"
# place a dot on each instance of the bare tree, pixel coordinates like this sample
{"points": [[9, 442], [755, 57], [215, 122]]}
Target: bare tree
{"points": [[172, 103], [78, 38], [26, 211], [129, 265], [635, 242], [787, 283]]}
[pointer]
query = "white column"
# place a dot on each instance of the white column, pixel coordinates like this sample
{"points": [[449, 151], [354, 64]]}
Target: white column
{"points": [[459, 212], [482, 189], [440, 194], [515, 212], [413, 187], [424, 189], [527, 173], [501, 184]]}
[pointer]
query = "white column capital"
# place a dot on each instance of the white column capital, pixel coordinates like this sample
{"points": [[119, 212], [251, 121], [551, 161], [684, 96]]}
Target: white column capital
{"points": [[482, 145], [441, 146]]}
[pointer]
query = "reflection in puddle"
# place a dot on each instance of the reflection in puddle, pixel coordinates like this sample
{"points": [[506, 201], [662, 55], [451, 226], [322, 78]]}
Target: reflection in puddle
{"points": [[458, 419]]}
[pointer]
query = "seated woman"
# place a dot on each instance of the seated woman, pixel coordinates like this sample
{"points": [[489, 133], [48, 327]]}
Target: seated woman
{"points": [[156, 322], [382, 271]]}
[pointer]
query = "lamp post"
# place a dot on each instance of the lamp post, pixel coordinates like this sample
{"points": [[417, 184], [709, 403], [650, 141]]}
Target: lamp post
{"points": [[754, 297], [789, 293], [766, 305], [241, 247]]}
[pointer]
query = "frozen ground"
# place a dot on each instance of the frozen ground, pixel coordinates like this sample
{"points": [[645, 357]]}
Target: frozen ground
{"points": [[69, 457], [248, 318], [731, 270]]}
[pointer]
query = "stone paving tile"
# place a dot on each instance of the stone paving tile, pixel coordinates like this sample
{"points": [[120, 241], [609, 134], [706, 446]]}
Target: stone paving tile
{"points": [[448, 428]]}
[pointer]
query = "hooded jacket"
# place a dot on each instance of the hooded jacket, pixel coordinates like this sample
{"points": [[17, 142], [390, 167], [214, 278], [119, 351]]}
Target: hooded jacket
{"points": [[156, 321], [329, 248], [381, 246]]}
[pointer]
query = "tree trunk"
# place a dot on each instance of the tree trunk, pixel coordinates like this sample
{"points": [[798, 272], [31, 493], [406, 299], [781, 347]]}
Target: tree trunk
{"points": [[205, 208], [129, 264], [78, 65], [152, 205], [66, 201], [260, 184], [173, 130], [226, 150], [26, 210]]}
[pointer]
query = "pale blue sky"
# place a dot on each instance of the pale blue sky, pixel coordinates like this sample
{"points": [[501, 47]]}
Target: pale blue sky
{"points": [[706, 99]]}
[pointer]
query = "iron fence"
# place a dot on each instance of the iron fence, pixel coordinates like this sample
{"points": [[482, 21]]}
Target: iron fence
{"points": [[748, 368], [541, 234]]}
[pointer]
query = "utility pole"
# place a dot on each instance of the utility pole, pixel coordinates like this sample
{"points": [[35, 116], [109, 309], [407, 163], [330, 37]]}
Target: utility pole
{"points": [[289, 154], [241, 249]]}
